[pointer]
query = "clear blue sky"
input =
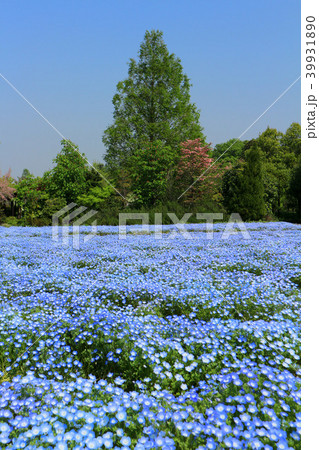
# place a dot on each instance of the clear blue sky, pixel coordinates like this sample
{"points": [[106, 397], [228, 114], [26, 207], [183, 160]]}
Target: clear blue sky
{"points": [[66, 57]]}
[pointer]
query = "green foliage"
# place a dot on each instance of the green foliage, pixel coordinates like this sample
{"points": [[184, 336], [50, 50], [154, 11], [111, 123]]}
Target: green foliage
{"points": [[280, 157], [269, 143], [151, 169], [253, 205], [95, 174], [291, 141], [294, 192], [243, 187], [51, 206], [33, 203], [30, 198], [259, 179], [99, 193], [276, 174], [229, 152], [11, 221], [96, 197], [292, 146], [93, 358], [26, 173], [152, 104], [68, 177], [2, 214]]}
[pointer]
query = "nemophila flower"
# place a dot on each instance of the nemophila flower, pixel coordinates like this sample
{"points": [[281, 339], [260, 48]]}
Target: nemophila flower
{"points": [[93, 443], [178, 365], [245, 417], [121, 415], [295, 436], [5, 428], [226, 428], [211, 444], [282, 445], [220, 408], [252, 409], [141, 420], [249, 398], [70, 435], [90, 418], [257, 444], [219, 434], [247, 434], [179, 377], [62, 446], [126, 441], [253, 384]]}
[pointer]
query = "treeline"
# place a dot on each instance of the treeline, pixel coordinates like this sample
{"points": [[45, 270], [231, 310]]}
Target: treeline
{"points": [[260, 179], [158, 160]]}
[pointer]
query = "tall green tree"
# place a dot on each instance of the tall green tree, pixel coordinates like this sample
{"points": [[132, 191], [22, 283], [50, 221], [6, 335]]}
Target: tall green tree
{"points": [[152, 104], [99, 194], [294, 192], [25, 173], [276, 174], [291, 140], [30, 198], [243, 186], [33, 202], [292, 146], [68, 177], [281, 153]]}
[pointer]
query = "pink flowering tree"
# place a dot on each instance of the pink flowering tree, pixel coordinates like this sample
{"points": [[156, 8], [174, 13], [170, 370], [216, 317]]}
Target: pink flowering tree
{"points": [[198, 170], [6, 189]]}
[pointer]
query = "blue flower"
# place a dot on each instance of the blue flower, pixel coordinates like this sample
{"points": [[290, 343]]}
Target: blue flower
{"points": [[121, 415], [126, 441]]}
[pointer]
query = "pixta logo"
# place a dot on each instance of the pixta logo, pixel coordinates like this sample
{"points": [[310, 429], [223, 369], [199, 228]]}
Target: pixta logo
{"points": [[66, 217], [234, 225]]}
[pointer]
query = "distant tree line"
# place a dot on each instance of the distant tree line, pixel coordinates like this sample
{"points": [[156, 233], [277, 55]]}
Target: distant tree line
{"points": [[157, 159]]}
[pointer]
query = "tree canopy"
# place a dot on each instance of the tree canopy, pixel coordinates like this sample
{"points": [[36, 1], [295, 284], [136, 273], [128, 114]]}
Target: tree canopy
{"points": [[230, 151], [152, 104], [68, 177], [243, 186]]}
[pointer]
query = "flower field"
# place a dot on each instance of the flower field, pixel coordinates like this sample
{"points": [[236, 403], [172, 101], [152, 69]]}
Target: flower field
{"points": [[146, 343]]}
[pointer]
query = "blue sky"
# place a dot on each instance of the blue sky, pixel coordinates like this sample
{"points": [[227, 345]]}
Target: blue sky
{"points": [[66, 58]]}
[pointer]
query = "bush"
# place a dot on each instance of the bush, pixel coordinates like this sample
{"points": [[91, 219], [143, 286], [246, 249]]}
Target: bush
{"points": [[12, 221], [2, 214]]}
